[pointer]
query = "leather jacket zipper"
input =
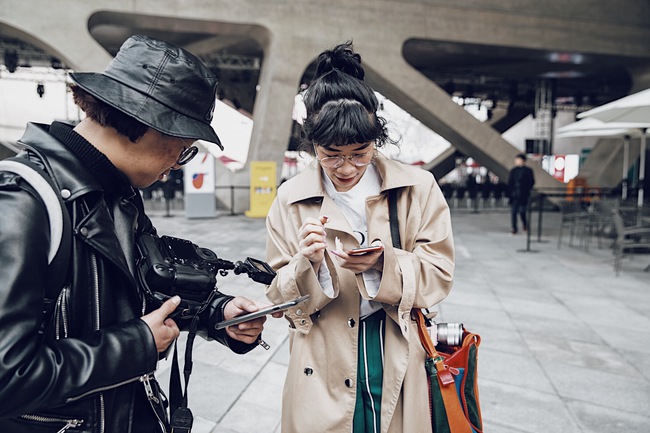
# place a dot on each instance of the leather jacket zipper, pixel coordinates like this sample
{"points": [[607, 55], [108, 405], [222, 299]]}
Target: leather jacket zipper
{"points": [[94, 266], [95, 276], [61, 319], [70, 423], [102, 416], [144, 302], [102, 389], [153, 399], [145, 379]]}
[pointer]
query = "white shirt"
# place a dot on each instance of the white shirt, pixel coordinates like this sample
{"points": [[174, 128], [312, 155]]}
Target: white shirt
{"points": [[352, 204]]}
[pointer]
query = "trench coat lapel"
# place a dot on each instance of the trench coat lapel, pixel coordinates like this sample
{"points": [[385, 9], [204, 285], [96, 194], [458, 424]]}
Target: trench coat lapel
{"points": [[310, 187]]}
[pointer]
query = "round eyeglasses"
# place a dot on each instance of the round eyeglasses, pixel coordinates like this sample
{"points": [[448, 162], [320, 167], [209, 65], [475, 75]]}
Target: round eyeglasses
{"points": [[187, 154], [358, 160]]}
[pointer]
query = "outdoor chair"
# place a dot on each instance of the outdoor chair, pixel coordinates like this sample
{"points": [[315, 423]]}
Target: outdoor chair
{"points": [[603, 223], [577, 220], [629, 240]]}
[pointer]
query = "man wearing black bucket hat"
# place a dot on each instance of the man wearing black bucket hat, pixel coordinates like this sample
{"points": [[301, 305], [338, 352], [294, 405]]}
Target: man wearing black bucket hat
{"points": [[79, 342]]}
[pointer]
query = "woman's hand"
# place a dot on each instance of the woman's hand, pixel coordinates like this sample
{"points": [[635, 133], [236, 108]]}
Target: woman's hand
{"points": [[313, 240], [360, 263]]}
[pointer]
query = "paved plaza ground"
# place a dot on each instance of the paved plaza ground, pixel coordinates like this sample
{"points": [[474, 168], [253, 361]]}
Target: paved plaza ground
{"points": [[565, 342]]}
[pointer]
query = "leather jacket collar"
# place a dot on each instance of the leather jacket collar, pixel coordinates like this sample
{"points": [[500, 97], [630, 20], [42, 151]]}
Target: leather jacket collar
{"points": [[74, 181], [67, 170]]}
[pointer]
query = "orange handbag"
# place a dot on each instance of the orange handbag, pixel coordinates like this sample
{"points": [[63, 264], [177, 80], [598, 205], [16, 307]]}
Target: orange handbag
{"points": [[453, 382]]}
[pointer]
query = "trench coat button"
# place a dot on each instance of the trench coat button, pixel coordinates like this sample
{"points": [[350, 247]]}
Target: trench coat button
{"points": [[303, 321], [65, 193], [351, 322], [83, 231], [298, 312], [308, 371], [348, 382]]}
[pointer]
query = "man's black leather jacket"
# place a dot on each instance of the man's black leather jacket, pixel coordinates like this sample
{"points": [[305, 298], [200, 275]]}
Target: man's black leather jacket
{"points": [[89, 369]]}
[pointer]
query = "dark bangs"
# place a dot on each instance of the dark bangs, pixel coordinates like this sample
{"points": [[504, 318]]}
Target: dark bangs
{"points": [[344, 122]]}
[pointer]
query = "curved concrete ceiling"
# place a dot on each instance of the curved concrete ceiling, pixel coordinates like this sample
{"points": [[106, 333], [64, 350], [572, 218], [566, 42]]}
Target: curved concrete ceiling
{"points": [[502, 73]]}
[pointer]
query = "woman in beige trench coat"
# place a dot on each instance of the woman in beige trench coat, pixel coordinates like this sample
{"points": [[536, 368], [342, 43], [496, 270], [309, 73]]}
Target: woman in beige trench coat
{"points": [[310, 228]]}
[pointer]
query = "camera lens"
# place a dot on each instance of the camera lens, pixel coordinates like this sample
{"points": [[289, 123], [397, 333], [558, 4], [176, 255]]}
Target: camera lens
{"points": [[450, 334]]}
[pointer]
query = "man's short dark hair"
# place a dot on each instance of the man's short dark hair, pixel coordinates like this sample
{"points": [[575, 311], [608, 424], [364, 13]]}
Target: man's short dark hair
{"points": [[521, 156], [108, 116]]}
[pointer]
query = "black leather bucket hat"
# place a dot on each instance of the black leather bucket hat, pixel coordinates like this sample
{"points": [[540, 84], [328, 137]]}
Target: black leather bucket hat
{"points": [[159, 84]]}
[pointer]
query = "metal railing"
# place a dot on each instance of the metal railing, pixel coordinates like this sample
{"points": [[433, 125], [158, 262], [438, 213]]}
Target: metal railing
{"points": [[542, 201]]}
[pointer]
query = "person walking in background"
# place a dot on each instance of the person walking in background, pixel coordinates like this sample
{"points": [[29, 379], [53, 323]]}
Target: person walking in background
{"points": [[84, 359], [356, 362], [520, 184]]}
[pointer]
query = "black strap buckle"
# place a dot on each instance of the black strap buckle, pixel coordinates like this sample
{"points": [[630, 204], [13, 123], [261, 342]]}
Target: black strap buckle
{"points": [[182, 420]]}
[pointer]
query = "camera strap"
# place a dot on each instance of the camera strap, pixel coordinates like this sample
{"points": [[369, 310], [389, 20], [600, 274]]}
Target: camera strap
{"points": [[181, 415]]}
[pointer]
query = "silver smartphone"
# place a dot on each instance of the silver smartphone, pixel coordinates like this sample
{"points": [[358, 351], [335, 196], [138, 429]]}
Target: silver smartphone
{"points": [[261, 312]]}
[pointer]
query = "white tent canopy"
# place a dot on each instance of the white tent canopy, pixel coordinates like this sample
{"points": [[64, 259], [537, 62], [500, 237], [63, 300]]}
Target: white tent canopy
{"points": [[590, 127], [635, 111], [634, 108]]}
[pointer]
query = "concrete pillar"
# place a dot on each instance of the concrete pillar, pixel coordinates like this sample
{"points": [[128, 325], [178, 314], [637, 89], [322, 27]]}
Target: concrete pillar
{"points": [[282, 70]]}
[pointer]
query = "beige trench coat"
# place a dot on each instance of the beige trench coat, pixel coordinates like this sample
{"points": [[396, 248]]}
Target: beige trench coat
{"points": [[319, 391]]}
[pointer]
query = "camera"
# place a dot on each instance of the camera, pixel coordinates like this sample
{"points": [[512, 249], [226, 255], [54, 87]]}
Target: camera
{"points": [[169, 266], [449, 334]]}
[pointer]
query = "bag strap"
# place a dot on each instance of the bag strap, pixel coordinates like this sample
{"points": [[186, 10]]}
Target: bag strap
{"points": [[60, 224], [392, 216], [455, 414], [45, 188], [444, 374]]}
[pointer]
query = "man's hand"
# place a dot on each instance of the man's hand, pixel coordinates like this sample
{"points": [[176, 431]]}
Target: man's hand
{"points": [[164, 330], [246, 332]]}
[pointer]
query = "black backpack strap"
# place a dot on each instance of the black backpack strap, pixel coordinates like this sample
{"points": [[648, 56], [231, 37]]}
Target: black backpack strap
{"points": [[59, 218], [392, 216]]}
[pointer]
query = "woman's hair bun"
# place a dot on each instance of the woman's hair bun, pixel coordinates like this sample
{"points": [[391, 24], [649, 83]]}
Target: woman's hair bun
{"points": [[341, 57], [341, 108]]}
